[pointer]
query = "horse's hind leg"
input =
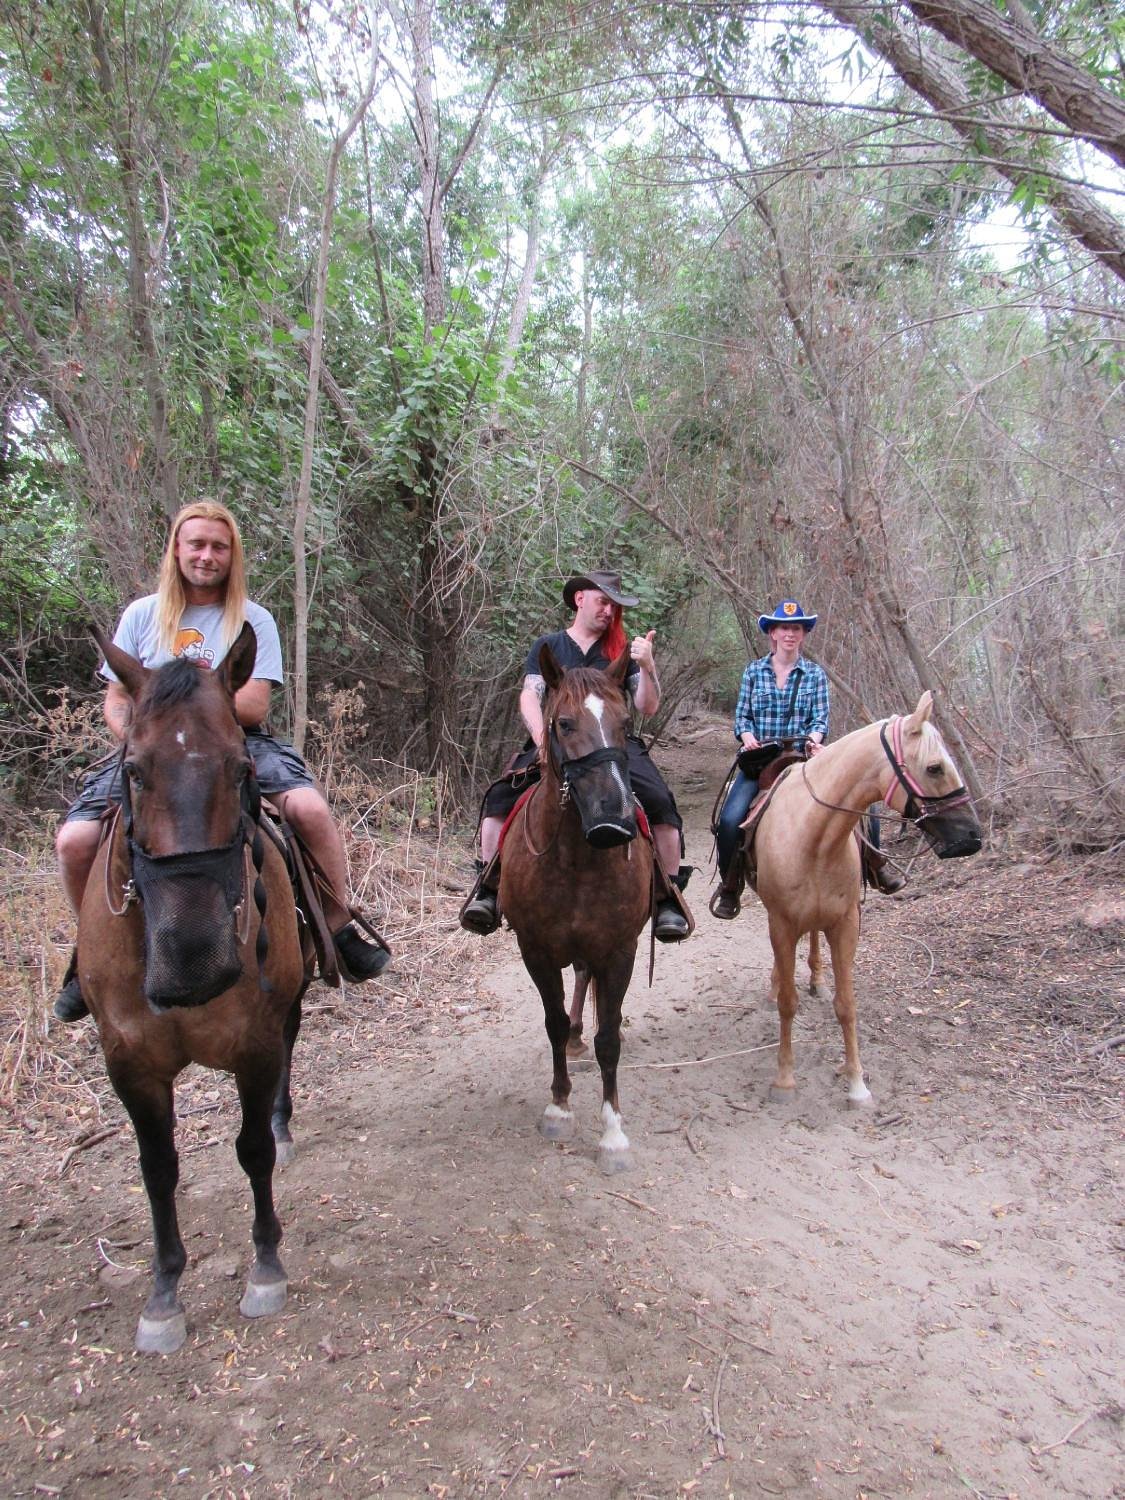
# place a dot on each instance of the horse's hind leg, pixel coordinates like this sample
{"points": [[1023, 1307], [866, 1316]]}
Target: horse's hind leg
{"points": [[843, 940], [575, 1046], [816, 964], [283, 1100], [609, 988], [784, 986], [268, 1286], [162, 1327]]}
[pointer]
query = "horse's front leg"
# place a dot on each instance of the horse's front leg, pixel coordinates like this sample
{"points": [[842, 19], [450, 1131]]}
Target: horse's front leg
{"points": [[268, 1286], [283, 1099], [575, 1046], [843, 940], [610, 986], [162, 1327], [784, 984], [557, 1123]]}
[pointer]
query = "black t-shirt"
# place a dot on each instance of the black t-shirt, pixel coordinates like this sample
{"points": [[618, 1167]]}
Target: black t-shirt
{"points": [[568, 653]]}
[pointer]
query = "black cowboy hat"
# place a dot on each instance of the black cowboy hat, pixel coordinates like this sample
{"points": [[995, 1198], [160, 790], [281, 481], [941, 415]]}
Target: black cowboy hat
{"points": [[607, 583]]}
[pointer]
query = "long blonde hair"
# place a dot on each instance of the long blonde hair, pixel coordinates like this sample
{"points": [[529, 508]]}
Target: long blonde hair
{"points": [[170, 601]]}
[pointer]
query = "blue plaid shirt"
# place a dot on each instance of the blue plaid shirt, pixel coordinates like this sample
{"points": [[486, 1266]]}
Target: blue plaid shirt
{"points": [[763, 710]]}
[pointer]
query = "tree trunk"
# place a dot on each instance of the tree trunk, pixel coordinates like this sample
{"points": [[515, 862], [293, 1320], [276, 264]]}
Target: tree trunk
{"points": [[1077, 210], [304, 483], [1033, 65]]}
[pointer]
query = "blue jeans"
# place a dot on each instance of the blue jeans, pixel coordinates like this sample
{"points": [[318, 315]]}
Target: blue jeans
{"points": [[737, 805]]}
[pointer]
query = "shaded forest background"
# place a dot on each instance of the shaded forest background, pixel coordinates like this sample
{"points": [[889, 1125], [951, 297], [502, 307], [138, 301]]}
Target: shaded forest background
{"points": [[448, 300]]}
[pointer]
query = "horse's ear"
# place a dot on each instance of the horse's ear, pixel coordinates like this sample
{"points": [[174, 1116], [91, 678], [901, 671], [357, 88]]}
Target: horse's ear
{"points": [[237, 667], [128, 669], [618, 667], [923, 712], [552, 672]]}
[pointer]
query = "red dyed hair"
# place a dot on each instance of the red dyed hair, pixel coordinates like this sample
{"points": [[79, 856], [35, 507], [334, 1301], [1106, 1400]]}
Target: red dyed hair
{"points": [[614, 639]]}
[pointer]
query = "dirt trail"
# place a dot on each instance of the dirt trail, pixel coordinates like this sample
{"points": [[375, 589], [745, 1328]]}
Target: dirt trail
{"points": [[920, 1300]]}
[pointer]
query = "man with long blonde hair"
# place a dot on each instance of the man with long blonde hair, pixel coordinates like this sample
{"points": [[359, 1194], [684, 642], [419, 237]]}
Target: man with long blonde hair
{"points": [[198, 610]]}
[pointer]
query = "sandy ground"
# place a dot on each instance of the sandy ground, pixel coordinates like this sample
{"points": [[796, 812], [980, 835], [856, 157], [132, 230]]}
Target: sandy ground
{"points": [[923, 1299]]}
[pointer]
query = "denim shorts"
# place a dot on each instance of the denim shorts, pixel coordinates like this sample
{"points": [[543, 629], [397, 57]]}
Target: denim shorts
{"points": [[277, 766]]}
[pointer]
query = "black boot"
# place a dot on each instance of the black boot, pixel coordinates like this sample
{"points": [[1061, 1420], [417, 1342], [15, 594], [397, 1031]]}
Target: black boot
{"points": [[359, 960], [669, 924], [481, 912], [69, 1003]]}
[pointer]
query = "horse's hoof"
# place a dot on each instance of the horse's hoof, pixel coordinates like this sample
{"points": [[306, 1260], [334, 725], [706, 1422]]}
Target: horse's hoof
{"points": [[815, 988], [576, 1047], [286, 1151], [261, 1298], [780, 1095], [614, 1162], [160, 1335], [556, 1124], [866, 1100]]}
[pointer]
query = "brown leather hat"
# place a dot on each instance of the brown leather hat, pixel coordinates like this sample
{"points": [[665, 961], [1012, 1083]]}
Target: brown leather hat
{"points": [[608, 584]]}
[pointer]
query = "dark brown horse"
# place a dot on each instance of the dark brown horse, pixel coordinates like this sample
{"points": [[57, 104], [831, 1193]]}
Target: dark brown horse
{"points": [[576, 882], [188, 951]]}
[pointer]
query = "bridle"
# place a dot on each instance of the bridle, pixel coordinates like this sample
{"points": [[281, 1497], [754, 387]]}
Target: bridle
{"points": [[918, 806], [224, 864], [569, 769]]}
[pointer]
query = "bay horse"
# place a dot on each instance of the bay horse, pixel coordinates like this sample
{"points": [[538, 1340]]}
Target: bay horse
{"points": [[808, 862], [188, 951], [576, 882]]}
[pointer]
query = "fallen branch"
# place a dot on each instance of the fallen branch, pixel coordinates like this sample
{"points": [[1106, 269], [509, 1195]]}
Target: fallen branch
{"points": [[93, 1139], [1066, 1437], [714, 1425], [718, 1327], [697, 1062], [636, 1202]]}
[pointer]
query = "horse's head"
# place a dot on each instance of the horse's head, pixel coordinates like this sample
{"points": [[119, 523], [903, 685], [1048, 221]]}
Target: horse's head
{"points": [[586, 717], [186, 781], [925, 785]]}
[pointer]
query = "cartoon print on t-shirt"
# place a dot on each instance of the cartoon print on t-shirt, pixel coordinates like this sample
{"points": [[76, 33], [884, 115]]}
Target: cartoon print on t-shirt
{"points": [[193, 645]]}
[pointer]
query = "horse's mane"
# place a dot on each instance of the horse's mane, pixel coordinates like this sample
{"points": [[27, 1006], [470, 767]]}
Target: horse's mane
{"points": [[176, 682], [579, 682]]}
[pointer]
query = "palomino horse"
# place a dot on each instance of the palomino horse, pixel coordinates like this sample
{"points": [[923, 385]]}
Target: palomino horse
{"points": [[808, 865], [576, 883], [188, 951]]}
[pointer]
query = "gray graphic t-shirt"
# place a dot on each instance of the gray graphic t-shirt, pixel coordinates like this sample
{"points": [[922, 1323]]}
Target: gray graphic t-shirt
{"points": [[200, 637]]}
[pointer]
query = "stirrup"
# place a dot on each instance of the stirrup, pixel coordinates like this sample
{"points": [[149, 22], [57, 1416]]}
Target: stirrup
{"points": [[724, 897], [70, 1003], [480, 913]]}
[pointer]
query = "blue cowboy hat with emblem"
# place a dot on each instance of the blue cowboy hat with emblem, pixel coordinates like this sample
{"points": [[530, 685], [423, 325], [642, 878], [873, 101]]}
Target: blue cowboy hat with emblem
{"points": [[788, 612]]}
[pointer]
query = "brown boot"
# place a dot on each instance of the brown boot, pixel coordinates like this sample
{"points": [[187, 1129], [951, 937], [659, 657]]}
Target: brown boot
{"points": [[726, 903], [879, 873]]}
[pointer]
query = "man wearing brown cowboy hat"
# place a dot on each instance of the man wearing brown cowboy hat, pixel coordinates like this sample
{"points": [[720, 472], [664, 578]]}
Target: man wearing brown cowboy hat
{"points": [[595, 638]]}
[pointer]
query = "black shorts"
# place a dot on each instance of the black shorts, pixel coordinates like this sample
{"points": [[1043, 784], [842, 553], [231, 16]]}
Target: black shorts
{"points": [[650, 788], [277, 766]]}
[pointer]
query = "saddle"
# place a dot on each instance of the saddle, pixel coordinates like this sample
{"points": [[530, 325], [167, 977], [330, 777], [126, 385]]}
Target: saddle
{"points": [[756, 812], [310, 886]]}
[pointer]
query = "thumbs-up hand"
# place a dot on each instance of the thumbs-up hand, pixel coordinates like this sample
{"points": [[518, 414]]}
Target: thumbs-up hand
{"points": [[641, 651]]}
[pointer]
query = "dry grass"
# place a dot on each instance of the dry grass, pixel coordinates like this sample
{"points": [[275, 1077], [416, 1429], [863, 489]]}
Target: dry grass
{"points": [[408, 877]]}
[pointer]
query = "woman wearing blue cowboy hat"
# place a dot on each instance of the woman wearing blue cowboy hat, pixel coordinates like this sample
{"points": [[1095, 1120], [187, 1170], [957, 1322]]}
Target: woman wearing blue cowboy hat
{"points": [[783, 697]]}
